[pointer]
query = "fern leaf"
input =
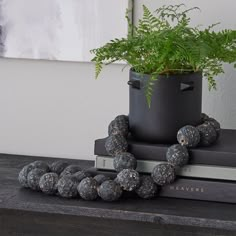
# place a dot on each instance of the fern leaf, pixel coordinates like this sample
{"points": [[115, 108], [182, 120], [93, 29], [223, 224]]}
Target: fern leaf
{"points": [[98, 68]]}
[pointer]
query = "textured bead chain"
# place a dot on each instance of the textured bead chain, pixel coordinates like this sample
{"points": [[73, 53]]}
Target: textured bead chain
{"points": [[177, 155], [70, 181]]}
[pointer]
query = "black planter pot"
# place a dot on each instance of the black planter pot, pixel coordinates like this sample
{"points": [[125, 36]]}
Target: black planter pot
{"points": [[176, 102]]}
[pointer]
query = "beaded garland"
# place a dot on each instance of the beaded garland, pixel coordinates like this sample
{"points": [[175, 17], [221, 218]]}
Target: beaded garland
{"points": [[70, 181]]}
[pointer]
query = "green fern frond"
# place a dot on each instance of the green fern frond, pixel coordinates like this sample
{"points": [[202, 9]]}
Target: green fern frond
{"points": [[98, 68], [149, 89], [165, 43], [131, 27]]}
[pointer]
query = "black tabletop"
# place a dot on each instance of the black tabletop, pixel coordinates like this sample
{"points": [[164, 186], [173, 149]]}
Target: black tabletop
{"points": [[159, 211]]}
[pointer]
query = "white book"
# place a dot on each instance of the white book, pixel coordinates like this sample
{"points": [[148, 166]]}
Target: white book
{"points": [[194, 171]]}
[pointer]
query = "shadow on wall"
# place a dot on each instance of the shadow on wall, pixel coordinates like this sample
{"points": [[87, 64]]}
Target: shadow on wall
{"points": [[1, 42]]}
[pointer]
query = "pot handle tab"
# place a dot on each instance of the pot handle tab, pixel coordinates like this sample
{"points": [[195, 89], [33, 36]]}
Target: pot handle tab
{"points": [[187, 86], [134, 83]]}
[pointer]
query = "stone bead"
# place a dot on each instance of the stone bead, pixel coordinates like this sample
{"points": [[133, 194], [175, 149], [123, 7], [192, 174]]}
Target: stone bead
{"points": [[122, 118], [123, 161], [188, 136], [67, 187], [22, 177], [101, 178], [80, 175], [207, 133], [110, 191], [70, 170], [40, 165], [163, 174], [33, 178], [204, 117], [147, 188], [58, 166], [116, 144], [177, 155], [119, 125], [87, 189], [48, 183], [215, 124], [128, 179]]}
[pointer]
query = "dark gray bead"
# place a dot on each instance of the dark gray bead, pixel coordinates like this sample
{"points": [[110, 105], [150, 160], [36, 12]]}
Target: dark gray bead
{"points": [[204, 117], [207, 133], [116, 144], [87, 189], [22, 177], [34, 177], [177, 155], [40, 165], [81, 175], [188, 136], [147, 188], [58, 166], [123, 161], [128, 179], [101, 178], [119, 125], [110, 191], [122, 118], [215, 124], [48, 183], [67, 187], [70, 170], [163, 174]]}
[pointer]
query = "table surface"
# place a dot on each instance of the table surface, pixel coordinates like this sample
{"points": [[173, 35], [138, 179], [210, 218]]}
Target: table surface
{"points": [[162, 211]]}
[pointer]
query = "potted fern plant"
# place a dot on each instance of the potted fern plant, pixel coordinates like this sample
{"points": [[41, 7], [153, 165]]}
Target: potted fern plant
{"points": [[168, 59]]}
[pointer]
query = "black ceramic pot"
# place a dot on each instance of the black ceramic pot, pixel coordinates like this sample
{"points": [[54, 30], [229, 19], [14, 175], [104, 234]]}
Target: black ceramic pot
{"points": [[176, 102]]}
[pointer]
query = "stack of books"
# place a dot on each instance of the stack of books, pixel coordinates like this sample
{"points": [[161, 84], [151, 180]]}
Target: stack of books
{"points": [[210, 174]]}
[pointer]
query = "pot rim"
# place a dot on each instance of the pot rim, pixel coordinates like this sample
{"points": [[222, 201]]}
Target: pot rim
{"points": [[166, 75]]}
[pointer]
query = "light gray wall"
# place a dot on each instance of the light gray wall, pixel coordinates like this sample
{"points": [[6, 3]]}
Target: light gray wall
{"points": [[59, 109]]}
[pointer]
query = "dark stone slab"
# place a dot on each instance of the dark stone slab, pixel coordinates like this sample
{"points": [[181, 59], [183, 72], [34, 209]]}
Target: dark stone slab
{"points": [[162, 215]]}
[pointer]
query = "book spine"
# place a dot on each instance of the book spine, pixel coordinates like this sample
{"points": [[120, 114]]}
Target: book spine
{"points": [[224, 156], [201, 190], [194, 171], [194, 189]]}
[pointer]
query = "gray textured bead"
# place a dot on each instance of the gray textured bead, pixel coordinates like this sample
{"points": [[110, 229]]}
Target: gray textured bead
{"points": [[101, 178], [48, 183], [22, 177], [80, 175], [188, 136], [34, 177], [123, 161], [215, 124], [116, 144], [58, 166], [40, 165], [110, 191], [87, 189], [67, 187], [119, 125], [70, 170], [177, 155], [163, 174], [207, 133], [122, 118], [128, 179], [147, 188], [204, 117]]}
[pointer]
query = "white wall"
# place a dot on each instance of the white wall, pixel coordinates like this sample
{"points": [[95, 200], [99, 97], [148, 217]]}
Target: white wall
{"points": [[58, 109]]}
